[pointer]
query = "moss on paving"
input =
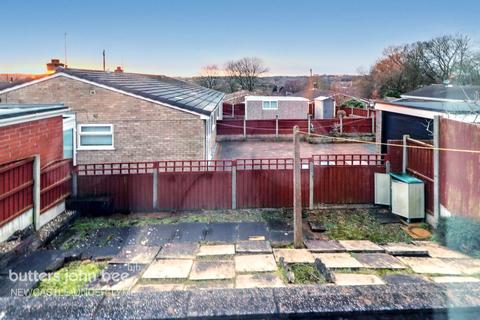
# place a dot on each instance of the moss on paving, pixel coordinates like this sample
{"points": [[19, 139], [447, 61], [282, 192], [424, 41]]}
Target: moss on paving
{"points": [[69, 280], [358, 224], [377, 272]]}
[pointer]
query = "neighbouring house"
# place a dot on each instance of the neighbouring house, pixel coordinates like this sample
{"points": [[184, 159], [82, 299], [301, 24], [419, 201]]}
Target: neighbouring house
{"points": [[127, 117], [324, 108], [26, 131], [413, 113], [269, 107]]}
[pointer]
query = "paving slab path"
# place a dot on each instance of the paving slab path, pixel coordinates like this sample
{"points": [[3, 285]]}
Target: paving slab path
{"points": [[405, 249], [294, 255], [379, 261], [258, 280], [429, 266], [168, 269], [338, 260], [253, 247], [178, 251], [135, 254], [360, 246], [216, 250], [212, 270], [255, 263], [356, 279], [324, 246]]}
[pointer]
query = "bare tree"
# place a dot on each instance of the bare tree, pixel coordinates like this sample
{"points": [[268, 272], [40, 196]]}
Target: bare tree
{"points": [[209, 76], [246, 71]]}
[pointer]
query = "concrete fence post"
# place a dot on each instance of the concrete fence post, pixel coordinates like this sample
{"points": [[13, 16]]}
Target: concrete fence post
{"points": [[36, 192], [309, 123], [244, 128], [388, 167], [276, 126], [311, 184], [74, 183], [436, 169], [155, 187], [405, 153], [234, 184], [373, 124], [297, 191]]}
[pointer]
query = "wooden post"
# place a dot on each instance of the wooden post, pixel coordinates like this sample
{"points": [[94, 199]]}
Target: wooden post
{"points": [[297, 191], [373, 123], [276, 126], [341, 124], [405, 154], [234, 184], [36, 192], [436, 169]]}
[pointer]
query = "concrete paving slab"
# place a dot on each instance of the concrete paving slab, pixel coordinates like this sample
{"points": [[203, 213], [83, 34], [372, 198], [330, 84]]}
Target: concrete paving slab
{"points": [[324, 246], [465, 266], [158, 287], [168, 269], [252, 229], [379, 261], [117, 277], [447, 279], [255, 263], [221, 232], [294, 255], [211, 284], [135, 254], [438, 251], [405, 249], [216, 250], [212, 270], [338, 260], [429, 265], [190, 232], [152, 235], [253, 247], [258, 280], [178, 251], [279, 237], [356, 279], [404, 278], [360, 246]]}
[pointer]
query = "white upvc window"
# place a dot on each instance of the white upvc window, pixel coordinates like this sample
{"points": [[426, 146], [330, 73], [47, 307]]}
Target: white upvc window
{"points": [[95, 137], [270, 105]]}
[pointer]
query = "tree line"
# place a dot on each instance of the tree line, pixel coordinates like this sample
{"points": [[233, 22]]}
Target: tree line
{"points": [[449, 58], [241, 74]]}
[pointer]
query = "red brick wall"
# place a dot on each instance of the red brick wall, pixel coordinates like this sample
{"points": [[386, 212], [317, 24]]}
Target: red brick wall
{"points": [[44, 137]]}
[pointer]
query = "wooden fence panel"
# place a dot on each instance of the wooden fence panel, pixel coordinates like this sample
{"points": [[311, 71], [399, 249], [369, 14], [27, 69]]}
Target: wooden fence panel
{"points": [[55, 183], [16, 189], [420, 165], [194, 190], [459, 171]]}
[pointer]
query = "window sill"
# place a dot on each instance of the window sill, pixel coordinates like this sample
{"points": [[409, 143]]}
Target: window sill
{"points": [[95, 148]]}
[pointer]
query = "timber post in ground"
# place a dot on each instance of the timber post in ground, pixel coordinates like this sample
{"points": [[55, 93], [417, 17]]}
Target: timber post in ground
{"points": [[297, 191]]}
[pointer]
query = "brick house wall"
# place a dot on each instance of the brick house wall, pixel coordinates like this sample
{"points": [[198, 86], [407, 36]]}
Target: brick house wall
{"points": [[44, 137], [143, 131], [286, 110]]}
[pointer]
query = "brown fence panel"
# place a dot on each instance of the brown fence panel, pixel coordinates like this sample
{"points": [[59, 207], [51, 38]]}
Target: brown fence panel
{"points": [[129, 185], [55, 184], [345, 179], [264, 183], [395, 155], [16, 189], [194, 185], [460, 171]]}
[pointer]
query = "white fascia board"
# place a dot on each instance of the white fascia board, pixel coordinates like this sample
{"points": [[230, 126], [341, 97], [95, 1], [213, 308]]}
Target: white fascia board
{"points": [[31, 117], [62, 74], [407, 111]]}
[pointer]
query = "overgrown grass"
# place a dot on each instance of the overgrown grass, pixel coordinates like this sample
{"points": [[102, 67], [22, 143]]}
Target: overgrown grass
{"points": [[358, 224], [70, 279], [304, 273]]}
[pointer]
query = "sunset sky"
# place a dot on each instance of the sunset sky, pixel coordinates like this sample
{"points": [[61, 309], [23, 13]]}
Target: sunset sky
{"points": [[178, 37]]}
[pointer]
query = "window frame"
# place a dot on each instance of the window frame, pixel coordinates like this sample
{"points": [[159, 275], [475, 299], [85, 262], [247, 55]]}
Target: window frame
{"points": [[101, 133], [269, 103]]}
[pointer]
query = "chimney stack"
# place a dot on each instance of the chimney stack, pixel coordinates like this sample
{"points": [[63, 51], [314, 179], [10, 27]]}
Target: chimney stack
{"points": [[54, 64]]}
